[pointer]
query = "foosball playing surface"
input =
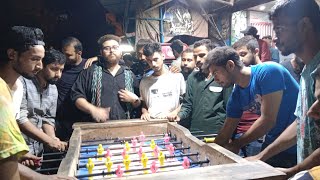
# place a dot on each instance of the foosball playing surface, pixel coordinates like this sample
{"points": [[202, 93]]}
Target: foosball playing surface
{"points": [[136, 149]]}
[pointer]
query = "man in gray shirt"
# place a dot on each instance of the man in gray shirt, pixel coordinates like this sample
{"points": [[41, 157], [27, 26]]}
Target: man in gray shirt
{"points": [[39, 104]]}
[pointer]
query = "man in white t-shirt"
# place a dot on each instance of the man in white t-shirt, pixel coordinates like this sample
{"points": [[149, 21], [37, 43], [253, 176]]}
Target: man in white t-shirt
{"points": [[160, 92]]}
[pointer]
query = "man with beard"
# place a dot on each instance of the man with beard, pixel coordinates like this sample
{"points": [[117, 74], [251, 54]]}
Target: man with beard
{"points": [[39, 104], [205, 101], [296, 23], [141, 68], [266, 89], [22, 50], [67, 113], [187, 63], [248, 49], [294, 66], [105, 90], [160, 92]]}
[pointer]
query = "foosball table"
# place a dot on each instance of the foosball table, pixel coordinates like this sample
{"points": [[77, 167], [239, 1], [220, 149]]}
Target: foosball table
{"points": [[157, 149]]}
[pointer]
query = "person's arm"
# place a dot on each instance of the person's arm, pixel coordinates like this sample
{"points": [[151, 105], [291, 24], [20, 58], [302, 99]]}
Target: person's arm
{"points": [[310, 162], [32, 131], [9, 168], [186, 107], [130, 97], [173, 114], [49, 130], [223, 137], [26, 174], [97, 113], [144, 112], [90, 61], [270, 104], [287, 139]]}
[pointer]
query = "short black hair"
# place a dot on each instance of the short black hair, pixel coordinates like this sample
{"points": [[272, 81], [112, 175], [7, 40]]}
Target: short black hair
{"points": [[220, 56], [205, 42], [249, 41], [296, 10], [188, 50], [142, 42], [53, 56], [108, 37], [72, 41], [177, 45], [19, 38], [151, 48]]}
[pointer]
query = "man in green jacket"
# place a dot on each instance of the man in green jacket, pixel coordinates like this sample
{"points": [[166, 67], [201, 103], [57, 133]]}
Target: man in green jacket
{"points": [[204, 105]]}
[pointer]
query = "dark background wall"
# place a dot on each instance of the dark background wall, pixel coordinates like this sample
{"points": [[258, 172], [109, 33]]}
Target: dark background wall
{"points": [[84, 19]]}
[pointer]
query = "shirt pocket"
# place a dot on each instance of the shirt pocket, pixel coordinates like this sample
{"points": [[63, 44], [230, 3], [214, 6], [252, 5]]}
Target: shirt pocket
{"points": [[215, 89]]}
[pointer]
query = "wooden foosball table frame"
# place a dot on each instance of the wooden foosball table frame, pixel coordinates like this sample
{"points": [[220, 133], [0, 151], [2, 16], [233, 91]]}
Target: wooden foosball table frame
{"points": [[223, 163]]}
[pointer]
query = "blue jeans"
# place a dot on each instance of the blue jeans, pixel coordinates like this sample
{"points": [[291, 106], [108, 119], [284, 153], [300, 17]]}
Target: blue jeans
{"points": [[250, 149]]}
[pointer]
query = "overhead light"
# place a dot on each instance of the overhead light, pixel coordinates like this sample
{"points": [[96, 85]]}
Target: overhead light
{"points": [[126, 48], [262, 7]]}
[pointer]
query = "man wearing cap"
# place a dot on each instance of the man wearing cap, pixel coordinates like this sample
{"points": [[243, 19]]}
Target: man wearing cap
{"points": [[264, 51]]}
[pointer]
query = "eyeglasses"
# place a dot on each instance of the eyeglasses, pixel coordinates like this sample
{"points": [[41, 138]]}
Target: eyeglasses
{"points": [[109, 48]]}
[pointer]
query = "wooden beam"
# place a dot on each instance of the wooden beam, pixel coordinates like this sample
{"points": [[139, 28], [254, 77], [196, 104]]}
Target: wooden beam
{"points": [[157, 5], [239, 5]]}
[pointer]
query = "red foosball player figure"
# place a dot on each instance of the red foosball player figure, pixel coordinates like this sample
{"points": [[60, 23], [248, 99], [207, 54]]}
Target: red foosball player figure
{"points": [[171, 149], [142, 138], [154, 167], [119, 171], [186, 163], [134, 143]]}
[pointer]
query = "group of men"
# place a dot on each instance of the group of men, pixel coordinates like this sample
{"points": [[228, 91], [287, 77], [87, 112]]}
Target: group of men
{"points": [[256, 108]]}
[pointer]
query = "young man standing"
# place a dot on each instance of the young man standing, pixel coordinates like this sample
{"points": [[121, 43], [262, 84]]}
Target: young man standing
{"points": [[39, 104], [296, 23], [160, 92], [105, 90], [248, 49], [204, 104], [67, 113], [22, 50], [266, 89]]}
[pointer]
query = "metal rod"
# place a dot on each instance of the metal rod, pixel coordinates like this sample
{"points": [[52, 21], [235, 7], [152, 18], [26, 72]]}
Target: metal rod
{"points": [[120, 142], [126, 138], [135, 170], [206, 135], [55, 153], [196, 132], [161, 25], [118, 154], [50, 160], [115, 148], [137, 160], [48, 169]]}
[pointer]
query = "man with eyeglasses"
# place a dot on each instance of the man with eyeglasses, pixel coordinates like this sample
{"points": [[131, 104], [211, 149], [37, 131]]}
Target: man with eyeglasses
{"points": [[296, 23], [204, 104], [105, 90]]}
